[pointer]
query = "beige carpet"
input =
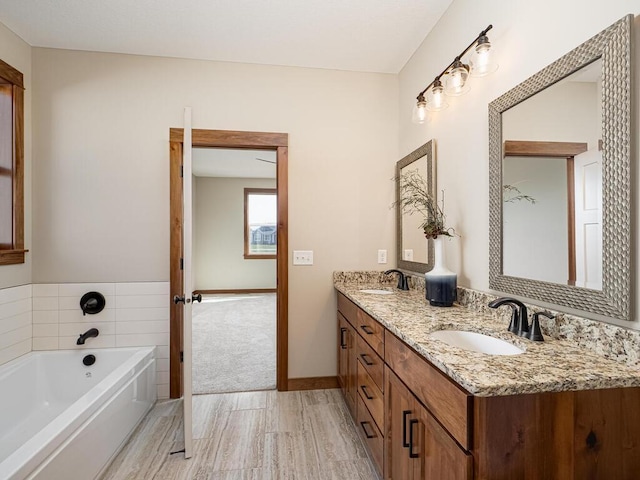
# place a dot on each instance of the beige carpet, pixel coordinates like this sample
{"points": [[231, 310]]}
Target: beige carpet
{"points": [[234, 343]]}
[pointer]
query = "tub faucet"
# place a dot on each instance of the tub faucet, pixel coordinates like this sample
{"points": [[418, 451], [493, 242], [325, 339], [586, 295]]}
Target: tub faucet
{"points": [[403, 284], [92, 332], [519, 317]]}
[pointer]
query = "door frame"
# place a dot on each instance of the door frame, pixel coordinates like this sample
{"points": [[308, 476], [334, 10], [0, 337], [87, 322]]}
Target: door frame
{"points": [[278, 142]]}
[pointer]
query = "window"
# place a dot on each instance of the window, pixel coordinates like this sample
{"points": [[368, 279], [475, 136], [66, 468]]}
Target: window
{"points": [[260, 223], [11, 165]]}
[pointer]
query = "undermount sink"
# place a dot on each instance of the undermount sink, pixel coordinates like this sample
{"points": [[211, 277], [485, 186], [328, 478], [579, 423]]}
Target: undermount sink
{"points": [[476, 342], [376, 292]]}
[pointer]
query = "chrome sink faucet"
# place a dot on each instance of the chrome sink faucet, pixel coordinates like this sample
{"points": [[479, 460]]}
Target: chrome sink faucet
{"points": [[403, 283], [519, 316]]}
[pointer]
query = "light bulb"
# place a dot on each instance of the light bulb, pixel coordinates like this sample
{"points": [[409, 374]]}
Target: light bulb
{"points": [[456, 80], [419, 110], [436, 100], [481, 61]]}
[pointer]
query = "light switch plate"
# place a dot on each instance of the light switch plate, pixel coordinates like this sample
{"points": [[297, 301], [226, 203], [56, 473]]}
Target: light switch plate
{"points": [[382, 256], [303, 257], [408, 255]]}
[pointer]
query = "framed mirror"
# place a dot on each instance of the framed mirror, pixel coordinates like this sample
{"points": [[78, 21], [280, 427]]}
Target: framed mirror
{"points": [[414, 252], [560, 180]]}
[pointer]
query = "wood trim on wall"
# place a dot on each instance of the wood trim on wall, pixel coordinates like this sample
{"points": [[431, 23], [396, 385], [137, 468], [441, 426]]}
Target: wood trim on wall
{"points": [[237, 290], [313, 383], [520, 148], [229, 139]]}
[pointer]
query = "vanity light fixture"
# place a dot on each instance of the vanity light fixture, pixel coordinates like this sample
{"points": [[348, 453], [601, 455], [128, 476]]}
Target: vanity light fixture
{"points": [[455, 77]]}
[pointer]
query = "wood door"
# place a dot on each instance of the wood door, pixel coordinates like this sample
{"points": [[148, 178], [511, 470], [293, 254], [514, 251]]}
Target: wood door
{"points": [[399, 411], [437, 455]]}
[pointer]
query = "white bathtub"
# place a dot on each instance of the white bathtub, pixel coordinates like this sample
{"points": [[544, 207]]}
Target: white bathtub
{"points": [[62, 420]]}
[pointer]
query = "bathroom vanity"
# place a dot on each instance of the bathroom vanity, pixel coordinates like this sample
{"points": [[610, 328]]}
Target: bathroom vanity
{"points": [[426, 409]]}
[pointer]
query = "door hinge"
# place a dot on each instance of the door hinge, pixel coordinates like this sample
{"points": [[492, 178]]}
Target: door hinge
{"points": [[181, 171], [181, 357], [182, 264]]}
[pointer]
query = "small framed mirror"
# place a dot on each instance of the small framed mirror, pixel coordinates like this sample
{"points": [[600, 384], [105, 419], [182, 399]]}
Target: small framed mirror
{"points": [[413, 251], [560, 180]]}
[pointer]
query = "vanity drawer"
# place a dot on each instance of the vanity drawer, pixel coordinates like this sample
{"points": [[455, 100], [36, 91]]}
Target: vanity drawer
{"points": [[449, 403], [371, 361], [348, 309], [371, 331], [371, 396], [370, 434]]}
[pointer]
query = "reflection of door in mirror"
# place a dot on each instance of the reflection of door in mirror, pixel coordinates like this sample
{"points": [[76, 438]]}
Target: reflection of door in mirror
{"points": [[552, 183], [414, 243]]}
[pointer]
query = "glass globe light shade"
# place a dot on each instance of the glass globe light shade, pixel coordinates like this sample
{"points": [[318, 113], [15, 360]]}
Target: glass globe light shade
{"points": [[419, 114], [481, 60], [435, 98], [456, 79]]}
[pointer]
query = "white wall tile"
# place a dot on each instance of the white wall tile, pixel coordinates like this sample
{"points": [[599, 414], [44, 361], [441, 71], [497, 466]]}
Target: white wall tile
{"points": [[70, 329], [162, 364], [11, 309], [163, 391], [142, 301], [102, 341], [142, 327], [162, 351], [142, 339], [45, 316], [45, 290], [73, 303], [136, 314], [142, 288], [15, 336], [45, 330], [17, 321], [45, 343], [162, 377], [45, 303], [15, 293], [76, 316], [14, 351], [79, 289]]}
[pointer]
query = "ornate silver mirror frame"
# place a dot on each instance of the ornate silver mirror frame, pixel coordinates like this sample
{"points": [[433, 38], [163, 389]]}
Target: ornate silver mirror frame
{"points": [[613, 45], [428, 151]]}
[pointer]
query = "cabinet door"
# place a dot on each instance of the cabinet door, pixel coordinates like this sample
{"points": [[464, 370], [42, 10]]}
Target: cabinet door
{"points": [[347, 363], [436, 454], [399, 410]]}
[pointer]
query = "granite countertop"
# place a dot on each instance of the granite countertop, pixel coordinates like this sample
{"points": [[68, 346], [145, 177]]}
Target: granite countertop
{"points": [[549, 366]]}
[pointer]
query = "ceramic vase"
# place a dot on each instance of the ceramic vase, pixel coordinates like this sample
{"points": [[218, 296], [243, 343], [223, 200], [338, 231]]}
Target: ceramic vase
{"points": [[441, 283]]}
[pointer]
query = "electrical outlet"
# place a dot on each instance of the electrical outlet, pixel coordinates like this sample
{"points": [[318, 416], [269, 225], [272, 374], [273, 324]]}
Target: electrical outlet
{"points": [[382, 256], [408, 255], [303, 257]]}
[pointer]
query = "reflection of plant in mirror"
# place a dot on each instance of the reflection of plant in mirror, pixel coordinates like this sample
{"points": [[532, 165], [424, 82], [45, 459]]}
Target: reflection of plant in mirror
{"points": [[415, 198], [511, 194]]}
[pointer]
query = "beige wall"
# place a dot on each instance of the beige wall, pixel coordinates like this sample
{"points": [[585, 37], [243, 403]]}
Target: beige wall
{"points": [[218, 225], [527, 36], [101, 178], [17, 53]]}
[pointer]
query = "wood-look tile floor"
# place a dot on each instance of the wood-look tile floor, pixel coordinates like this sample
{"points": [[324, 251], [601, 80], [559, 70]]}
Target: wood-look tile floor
{"points": [[306, 435]]}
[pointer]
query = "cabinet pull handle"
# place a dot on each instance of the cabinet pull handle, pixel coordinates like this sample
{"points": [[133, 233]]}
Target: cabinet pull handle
{"points": [[366, 394], [364, 357], [366, 434], [367, 329], [343, 344], [405, 414], [411, 424]]}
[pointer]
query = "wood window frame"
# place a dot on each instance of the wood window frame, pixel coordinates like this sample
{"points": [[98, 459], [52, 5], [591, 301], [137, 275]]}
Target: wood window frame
{"points": [[277, 142], [16, 254], [254, 191]]}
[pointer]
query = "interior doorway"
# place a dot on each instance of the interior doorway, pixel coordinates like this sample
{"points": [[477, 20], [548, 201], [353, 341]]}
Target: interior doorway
{"points": [[277, 143], [234, 264]]}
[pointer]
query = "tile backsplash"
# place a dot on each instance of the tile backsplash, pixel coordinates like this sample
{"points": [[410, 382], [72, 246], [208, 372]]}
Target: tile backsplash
{"points": [[48, 317]]}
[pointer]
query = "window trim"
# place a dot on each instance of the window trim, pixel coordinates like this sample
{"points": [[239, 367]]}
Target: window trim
{"points": [[16, 255], [247, 192]]}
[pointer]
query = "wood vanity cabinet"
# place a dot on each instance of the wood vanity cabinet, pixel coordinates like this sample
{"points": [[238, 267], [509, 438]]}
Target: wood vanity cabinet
{"points": [[419, 424]]}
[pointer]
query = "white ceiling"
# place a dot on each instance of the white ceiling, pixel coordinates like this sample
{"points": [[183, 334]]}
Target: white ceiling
{"points": [[360, 35], [234, 163]]}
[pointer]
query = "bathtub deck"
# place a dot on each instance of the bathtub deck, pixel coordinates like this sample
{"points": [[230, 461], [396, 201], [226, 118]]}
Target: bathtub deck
{"points": [[248, 436]]}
